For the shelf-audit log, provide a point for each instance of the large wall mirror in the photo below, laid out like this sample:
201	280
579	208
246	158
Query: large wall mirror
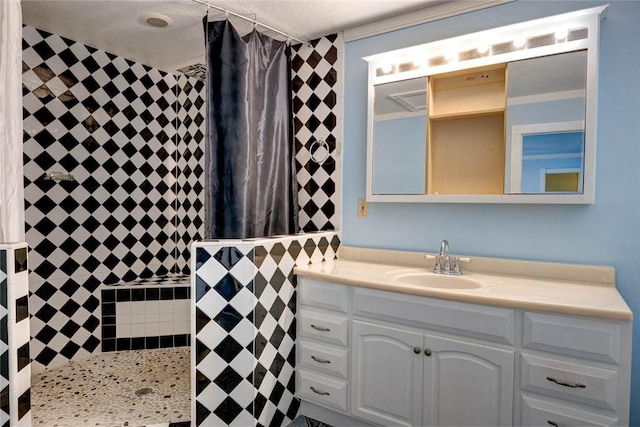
502	116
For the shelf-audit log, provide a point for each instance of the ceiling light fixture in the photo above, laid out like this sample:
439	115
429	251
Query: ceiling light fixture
156	20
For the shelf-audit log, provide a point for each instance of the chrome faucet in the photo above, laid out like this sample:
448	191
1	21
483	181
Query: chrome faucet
444	256
443	261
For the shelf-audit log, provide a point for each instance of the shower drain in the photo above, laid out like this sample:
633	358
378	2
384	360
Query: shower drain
144	391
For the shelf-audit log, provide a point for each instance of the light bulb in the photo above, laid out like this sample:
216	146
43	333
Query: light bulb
451	56
519	42
561	34
386	68
483	48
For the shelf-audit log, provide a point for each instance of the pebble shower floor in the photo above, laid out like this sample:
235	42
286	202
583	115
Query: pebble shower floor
132	388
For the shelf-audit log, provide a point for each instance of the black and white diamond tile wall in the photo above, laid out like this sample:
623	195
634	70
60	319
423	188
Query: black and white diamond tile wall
316	86
190	188
112	124
245	327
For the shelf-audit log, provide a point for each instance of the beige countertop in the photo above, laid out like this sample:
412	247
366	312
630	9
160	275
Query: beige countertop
559	288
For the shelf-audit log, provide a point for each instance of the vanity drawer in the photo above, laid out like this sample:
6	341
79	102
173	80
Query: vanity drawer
324	390
571	381
321	294
537	412
476	321
326	327
322	358
585	338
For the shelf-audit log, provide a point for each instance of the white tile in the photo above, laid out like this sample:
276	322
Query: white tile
152	329
138	330
166	328
152	307
181	327
152	317
123	331
166	307
138	318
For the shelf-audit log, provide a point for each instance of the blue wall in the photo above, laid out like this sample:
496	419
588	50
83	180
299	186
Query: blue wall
605	233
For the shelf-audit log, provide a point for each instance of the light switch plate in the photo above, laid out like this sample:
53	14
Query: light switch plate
363	208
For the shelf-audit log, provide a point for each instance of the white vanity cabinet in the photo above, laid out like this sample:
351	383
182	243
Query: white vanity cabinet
394	359
322	345
407	369
406	378
574	371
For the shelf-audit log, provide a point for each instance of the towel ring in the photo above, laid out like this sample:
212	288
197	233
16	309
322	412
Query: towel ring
319	151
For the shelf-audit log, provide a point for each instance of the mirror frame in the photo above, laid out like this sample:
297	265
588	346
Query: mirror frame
586	18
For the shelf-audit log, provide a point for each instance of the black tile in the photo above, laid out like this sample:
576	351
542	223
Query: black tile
108	331
181	340
123	295
24	404
137	343
23	356
166	341
166	293
181	292
228	410
108	309
137	294
22	308
152	294
109	345
20	260
123	344
152	342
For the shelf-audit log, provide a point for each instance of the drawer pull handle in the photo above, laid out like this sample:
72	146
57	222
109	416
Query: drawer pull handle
576	385
553	423
320	392
416	350
317	359
320	328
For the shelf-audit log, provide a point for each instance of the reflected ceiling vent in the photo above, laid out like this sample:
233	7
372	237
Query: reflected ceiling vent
416	100
156	20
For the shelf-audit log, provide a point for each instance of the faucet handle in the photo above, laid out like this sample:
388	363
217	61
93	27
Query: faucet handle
456	263
437	268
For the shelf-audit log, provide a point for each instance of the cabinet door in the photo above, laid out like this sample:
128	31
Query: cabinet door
387	368
467	384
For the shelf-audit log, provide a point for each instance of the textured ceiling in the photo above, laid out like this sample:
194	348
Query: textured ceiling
118	26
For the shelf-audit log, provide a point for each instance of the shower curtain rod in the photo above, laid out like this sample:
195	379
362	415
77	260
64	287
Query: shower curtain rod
255	22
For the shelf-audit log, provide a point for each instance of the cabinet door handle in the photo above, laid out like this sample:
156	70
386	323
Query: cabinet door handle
320	328
553	423
317	359
320	392
562	383
416	350
427	352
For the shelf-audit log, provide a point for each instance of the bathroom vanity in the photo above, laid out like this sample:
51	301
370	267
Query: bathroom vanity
383	340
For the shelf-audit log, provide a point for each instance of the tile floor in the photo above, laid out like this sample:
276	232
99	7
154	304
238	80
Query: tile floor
131	388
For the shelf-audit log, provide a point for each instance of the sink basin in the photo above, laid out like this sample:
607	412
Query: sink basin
432	280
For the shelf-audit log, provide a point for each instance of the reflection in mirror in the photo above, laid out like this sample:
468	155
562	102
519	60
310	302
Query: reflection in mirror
545	124
400	134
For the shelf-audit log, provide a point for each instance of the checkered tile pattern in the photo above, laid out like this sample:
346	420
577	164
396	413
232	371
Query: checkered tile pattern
15	366
112	124
190	187
245	327
316	87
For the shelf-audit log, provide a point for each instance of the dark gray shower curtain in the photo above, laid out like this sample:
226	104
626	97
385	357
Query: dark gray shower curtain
251	189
